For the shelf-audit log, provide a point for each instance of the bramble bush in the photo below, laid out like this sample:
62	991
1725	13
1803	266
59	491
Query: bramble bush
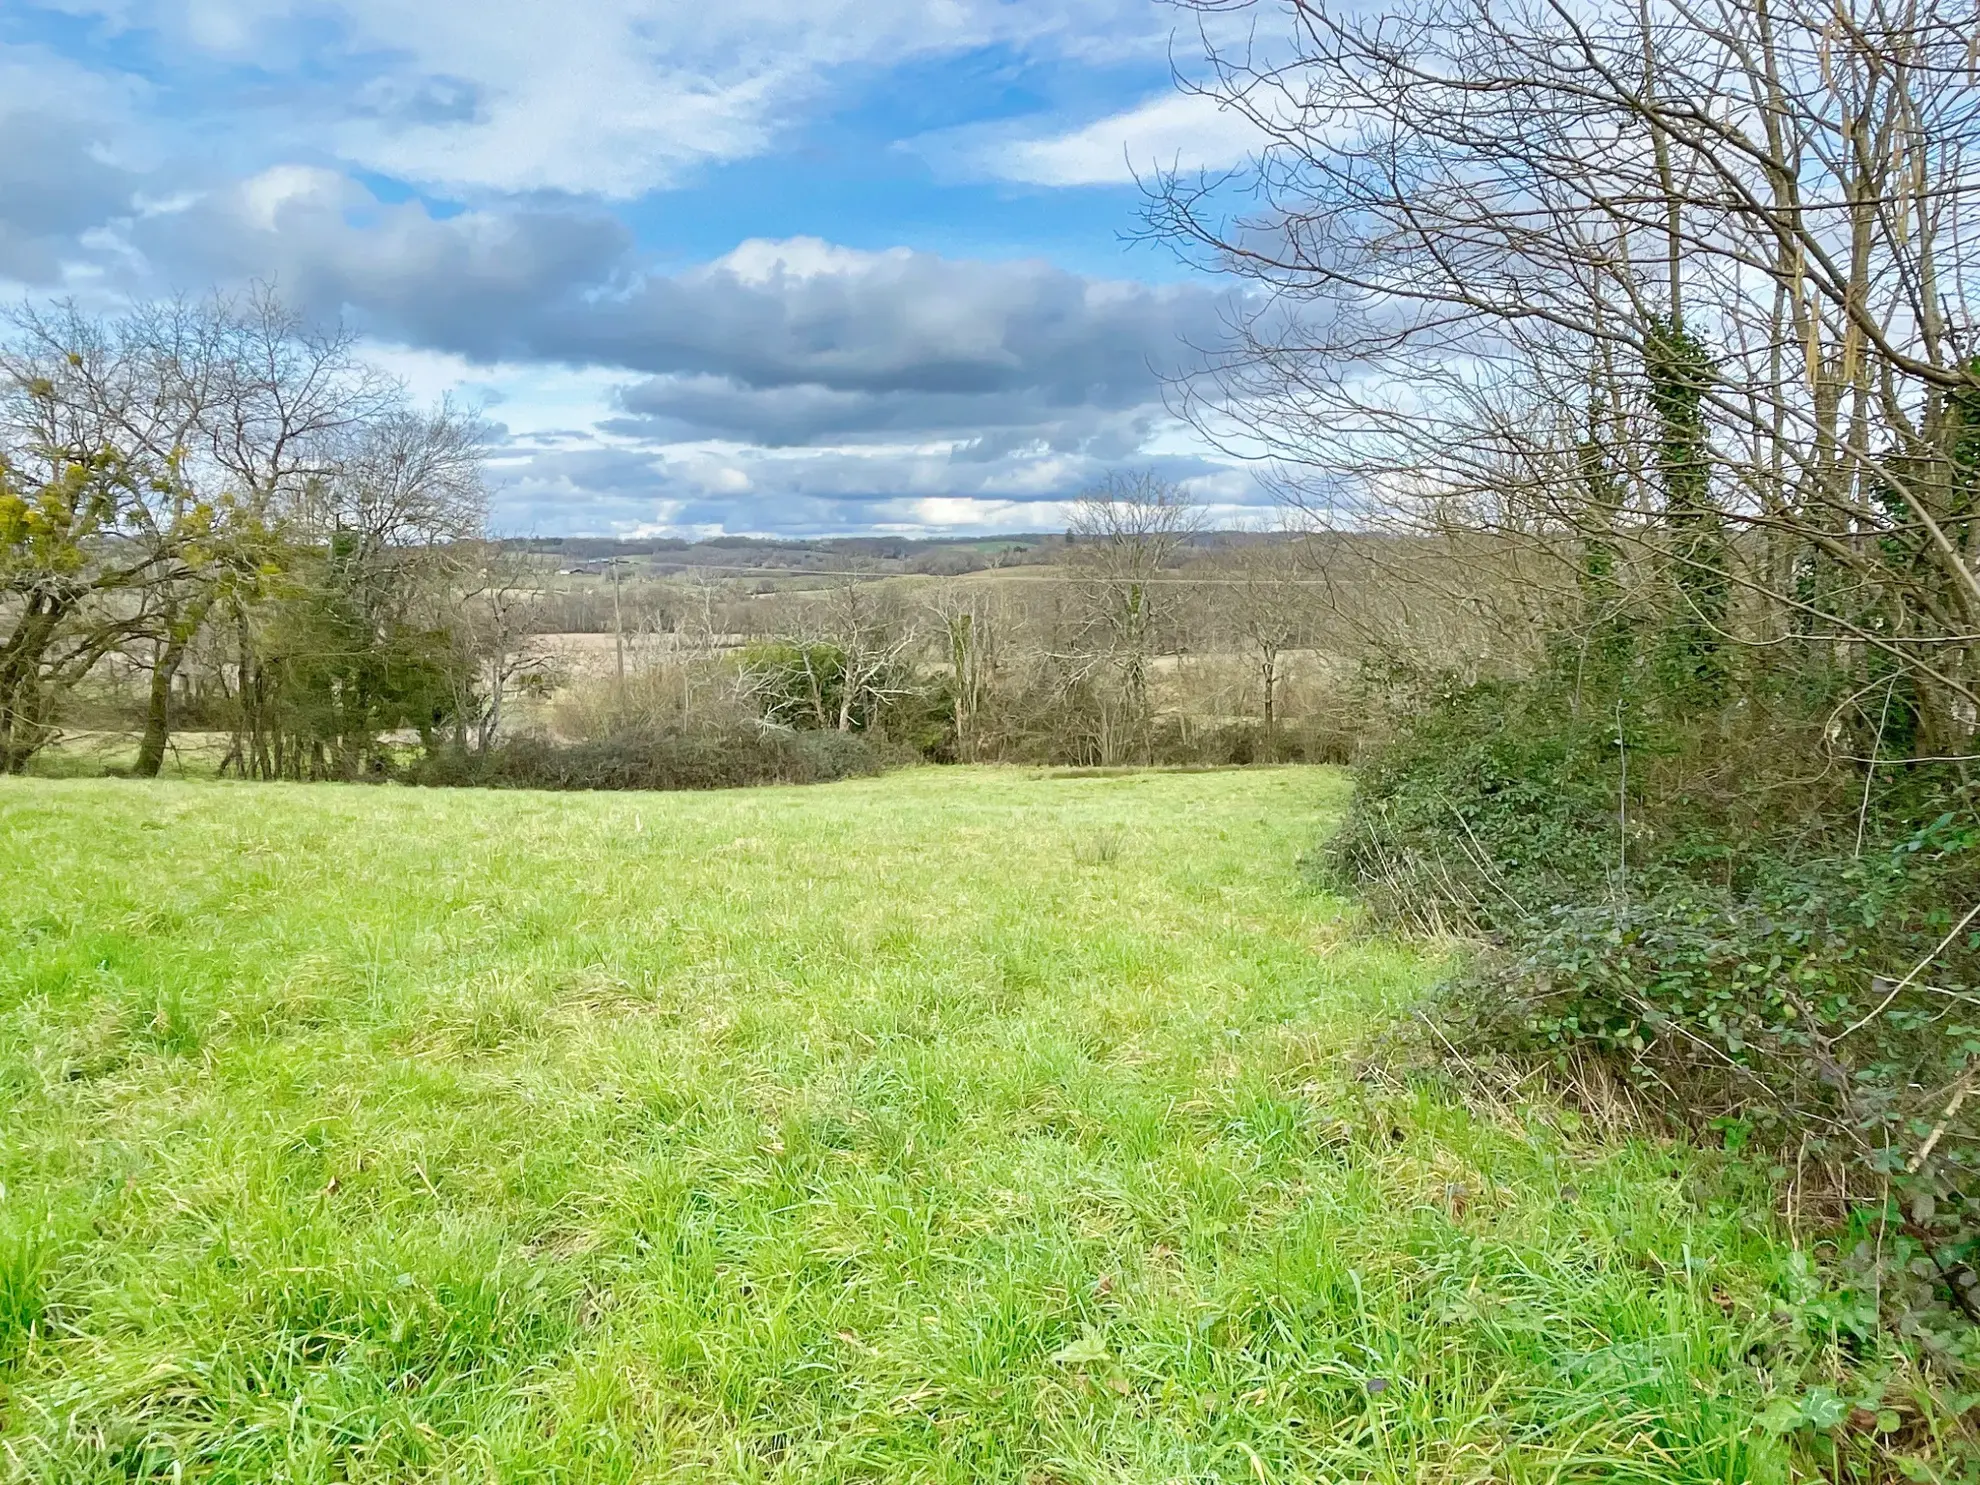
1784	965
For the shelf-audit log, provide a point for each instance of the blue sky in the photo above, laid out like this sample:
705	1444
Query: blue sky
797	266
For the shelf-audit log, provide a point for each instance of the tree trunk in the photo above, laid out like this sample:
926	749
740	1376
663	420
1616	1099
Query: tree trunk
179	635
158	710
23	706
850	680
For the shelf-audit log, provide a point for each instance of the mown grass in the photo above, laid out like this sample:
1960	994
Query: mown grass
961	1125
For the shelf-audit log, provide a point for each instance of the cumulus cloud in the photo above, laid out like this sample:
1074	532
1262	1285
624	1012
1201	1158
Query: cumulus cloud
809	415
793	342
52	188
914	324
793	384
488	284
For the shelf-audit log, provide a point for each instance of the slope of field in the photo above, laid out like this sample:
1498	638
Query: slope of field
959	1125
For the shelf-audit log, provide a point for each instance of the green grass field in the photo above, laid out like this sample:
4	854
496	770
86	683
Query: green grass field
960	1125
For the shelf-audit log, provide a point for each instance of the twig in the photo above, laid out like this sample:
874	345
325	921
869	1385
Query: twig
1870	772
1438	1032
1916	970
1962	1087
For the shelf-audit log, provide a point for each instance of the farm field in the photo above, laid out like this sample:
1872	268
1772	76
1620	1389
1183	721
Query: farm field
960	1125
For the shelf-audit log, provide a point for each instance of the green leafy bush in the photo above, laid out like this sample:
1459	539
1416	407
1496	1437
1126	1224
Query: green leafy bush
1482	813
1761	963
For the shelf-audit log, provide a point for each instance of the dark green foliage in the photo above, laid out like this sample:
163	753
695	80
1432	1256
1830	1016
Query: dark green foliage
337	686
922	717
1714	934
1679	371
724	757
1482	812
341	660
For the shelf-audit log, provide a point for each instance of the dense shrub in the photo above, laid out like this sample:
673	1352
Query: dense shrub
706	758
1482	812
1751	954
1244	740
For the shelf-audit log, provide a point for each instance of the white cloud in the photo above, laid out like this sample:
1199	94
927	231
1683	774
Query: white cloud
533	400
265	197
1176	130
760	262
609	98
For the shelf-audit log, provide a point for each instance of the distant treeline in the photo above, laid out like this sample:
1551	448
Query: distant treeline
601	548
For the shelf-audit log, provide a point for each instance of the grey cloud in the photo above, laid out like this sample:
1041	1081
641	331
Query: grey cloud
808	414
480	283
797	344
54	184
564	286
913	323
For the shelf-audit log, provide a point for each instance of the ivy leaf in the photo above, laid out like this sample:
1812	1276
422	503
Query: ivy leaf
1821	1408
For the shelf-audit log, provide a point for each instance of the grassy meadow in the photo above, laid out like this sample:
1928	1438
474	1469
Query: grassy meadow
961	1125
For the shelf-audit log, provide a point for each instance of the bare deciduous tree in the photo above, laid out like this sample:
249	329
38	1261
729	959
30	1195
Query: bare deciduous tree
1125	531
1680	293
837	659
874	638
497	624
1272	611
971	629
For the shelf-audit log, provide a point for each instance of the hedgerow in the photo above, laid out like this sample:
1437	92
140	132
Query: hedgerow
709	757
1780	963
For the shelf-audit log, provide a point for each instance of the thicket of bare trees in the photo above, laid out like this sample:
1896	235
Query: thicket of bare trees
1140	644
1678	293
1143	640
